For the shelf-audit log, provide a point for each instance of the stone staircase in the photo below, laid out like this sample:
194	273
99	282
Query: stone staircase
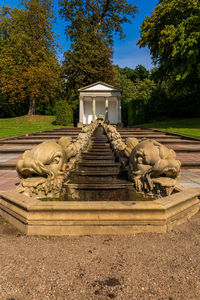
97	177
187	148
11	150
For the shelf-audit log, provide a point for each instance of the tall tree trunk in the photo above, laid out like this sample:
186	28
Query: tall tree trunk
31	110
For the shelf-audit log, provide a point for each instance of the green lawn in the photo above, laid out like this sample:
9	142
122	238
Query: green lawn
25	124
185	126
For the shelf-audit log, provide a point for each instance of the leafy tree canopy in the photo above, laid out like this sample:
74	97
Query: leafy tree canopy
88	61
90	26
28	65
104	17
172	34
140	72
125	84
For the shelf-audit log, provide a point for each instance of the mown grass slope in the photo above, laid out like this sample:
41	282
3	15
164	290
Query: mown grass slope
189	127
26	124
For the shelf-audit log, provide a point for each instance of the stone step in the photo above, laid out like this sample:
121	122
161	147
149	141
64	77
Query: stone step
21	142
173	141
181	141
98	153
94	166
99	186
139	133
43	137
98	158
152	136
98	162
7	166
54	133
100	150
88	177
106	146
7	151
190	164
61	130
98	173
190	151
101	164
99	139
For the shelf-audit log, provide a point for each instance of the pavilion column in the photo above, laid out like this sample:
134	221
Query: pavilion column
106	108
81	111
93	108
119	110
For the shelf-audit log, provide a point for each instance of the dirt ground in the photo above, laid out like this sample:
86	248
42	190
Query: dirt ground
142	266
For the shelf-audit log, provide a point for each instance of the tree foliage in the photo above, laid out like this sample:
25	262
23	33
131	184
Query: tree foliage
90	25
88	61
103	17
172	34
123	80
64	113
140	72
125	84
149	102
28	65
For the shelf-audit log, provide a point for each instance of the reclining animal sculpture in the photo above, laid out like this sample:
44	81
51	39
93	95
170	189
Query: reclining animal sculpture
41	169
152	167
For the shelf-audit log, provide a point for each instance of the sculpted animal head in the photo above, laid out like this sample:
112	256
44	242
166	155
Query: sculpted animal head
46	159
152	164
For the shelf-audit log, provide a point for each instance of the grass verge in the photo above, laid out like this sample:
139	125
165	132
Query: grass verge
26	124
189	127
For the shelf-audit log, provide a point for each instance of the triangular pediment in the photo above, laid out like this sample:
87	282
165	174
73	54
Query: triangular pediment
99	86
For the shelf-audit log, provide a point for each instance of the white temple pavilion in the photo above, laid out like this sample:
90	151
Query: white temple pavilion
99	98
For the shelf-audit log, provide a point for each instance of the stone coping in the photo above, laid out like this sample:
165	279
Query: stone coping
35	217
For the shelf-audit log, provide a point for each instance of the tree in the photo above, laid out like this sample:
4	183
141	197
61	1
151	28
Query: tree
88	61
140	72
105	17
124	83
149	102
127	86
172	34
28	65
90	25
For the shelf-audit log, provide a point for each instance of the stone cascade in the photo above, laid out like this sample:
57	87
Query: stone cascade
112	184
97	176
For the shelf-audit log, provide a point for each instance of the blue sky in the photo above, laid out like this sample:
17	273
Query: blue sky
126	53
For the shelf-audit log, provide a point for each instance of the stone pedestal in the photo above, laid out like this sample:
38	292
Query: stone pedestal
80	125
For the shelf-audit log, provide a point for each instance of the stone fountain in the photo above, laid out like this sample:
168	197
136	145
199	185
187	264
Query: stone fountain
98	184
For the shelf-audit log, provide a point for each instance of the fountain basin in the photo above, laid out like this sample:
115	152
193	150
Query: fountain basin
35	217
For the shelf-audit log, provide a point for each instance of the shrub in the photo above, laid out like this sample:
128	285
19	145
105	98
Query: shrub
64	113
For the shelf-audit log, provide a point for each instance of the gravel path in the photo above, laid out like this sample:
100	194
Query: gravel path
142	266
